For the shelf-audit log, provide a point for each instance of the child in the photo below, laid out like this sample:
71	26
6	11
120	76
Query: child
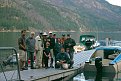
68	52
46	54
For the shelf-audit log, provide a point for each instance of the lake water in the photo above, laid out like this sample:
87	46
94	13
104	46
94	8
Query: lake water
97	77
9	39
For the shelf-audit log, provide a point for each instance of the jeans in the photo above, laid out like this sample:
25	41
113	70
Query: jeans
30	56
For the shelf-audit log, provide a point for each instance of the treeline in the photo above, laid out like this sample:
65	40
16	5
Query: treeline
11	18
38	14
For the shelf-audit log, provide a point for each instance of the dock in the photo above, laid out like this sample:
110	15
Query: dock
49	74
41	74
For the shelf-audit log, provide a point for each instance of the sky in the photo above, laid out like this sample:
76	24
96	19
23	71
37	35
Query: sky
115	2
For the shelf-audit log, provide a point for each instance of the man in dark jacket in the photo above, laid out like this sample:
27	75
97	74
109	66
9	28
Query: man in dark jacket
58	46
70	43
62	59
51	40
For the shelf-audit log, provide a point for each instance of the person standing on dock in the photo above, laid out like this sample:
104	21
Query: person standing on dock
39	51
54	36
51	40
70	43
22	50
30	44
47	54
44	35
63	38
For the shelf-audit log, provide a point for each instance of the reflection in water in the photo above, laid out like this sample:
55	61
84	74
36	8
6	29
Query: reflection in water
93	76
98	64
98	77
79	77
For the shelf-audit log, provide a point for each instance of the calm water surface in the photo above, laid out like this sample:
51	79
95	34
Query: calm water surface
9	39
97	77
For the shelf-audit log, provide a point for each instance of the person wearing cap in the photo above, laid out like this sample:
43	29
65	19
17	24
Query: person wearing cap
56	40
63	38
51	40
31	47
70	43
44	35
39	50
54	36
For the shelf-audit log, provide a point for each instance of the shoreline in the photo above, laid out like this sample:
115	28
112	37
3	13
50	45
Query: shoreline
61	31
34	31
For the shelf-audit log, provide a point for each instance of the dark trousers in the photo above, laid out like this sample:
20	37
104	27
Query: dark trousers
30	55
71	63
51	62
46	61
71	55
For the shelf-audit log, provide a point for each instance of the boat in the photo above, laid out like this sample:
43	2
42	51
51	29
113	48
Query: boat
89	41
105	58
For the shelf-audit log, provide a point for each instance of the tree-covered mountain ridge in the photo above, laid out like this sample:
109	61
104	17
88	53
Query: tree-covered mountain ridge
59	15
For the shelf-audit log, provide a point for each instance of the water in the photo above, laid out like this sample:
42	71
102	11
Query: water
103	35
10	38
91	76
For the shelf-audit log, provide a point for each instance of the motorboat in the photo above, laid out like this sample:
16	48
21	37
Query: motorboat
105	58
89	41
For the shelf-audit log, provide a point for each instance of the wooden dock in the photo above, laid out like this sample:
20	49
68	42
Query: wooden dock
50	73
41	74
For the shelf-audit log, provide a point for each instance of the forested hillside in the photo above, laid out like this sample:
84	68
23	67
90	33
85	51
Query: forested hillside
67	15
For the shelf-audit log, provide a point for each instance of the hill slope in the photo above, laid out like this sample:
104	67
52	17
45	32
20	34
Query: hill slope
86	15
94	13
35	15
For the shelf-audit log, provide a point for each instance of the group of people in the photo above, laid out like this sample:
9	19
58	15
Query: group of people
45	47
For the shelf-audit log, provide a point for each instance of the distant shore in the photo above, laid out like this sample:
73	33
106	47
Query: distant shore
59	31
34	31
10	30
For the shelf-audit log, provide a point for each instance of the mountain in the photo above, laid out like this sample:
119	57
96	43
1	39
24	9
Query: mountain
83	15
34	15
94	14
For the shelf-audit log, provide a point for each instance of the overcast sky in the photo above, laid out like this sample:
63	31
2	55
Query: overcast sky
115	2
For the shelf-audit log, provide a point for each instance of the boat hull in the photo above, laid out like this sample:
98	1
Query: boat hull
111	68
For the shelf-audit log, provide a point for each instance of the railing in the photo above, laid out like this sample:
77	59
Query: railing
9	64
116	60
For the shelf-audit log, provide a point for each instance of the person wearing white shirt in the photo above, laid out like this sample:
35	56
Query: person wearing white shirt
39	51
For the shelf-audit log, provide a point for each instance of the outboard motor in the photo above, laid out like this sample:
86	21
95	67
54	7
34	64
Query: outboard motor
98	65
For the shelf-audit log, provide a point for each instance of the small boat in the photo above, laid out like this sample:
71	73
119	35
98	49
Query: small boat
105	59
88	41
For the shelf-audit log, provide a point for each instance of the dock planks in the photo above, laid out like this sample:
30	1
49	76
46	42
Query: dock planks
41	74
